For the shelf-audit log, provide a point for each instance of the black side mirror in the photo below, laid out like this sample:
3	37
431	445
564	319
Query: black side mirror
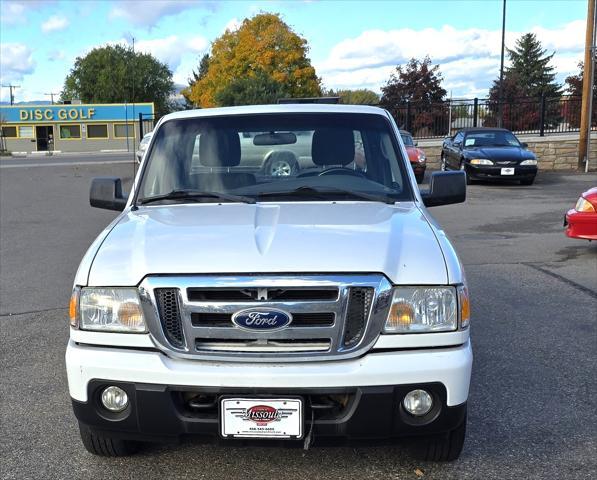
445	188
106	192
524	145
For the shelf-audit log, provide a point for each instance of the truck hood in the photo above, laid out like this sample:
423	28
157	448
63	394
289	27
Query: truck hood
323	237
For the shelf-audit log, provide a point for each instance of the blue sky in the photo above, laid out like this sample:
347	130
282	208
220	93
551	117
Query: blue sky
353	44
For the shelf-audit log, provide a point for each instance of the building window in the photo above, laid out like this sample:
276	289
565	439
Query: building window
26	131
68	132
9	132
122	130
97	131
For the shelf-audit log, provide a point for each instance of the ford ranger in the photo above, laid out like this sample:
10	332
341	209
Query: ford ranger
241	305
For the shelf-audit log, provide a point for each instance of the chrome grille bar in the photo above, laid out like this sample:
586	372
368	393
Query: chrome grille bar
222	342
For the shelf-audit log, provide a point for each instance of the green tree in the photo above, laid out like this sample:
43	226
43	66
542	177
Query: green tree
361	96
571	109
415	97
262	45
194	78
530	70
257	89
115	74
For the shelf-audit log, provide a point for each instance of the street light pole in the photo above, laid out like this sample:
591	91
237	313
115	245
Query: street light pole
500	99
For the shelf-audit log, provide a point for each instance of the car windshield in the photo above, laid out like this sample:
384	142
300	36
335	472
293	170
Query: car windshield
270	157
492	138
407	139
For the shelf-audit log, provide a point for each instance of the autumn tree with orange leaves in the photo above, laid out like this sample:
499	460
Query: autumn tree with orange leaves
262	55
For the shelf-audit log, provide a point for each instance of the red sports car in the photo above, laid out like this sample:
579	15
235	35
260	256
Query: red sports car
417	157
581	221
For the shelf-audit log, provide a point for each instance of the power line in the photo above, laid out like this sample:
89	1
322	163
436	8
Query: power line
12	87
51	95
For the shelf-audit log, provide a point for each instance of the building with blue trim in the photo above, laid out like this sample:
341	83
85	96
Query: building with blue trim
73	128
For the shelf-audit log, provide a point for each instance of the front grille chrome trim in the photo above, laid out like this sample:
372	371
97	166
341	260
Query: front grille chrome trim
291	344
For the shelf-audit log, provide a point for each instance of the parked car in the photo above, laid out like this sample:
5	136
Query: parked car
581	221
416	156
143	146
489	154
327	303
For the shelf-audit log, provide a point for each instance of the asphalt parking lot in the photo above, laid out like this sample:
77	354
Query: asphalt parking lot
532	408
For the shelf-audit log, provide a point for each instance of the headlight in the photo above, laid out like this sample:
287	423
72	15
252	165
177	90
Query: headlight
584	206
111	310
531	161
423	309
480	161
421	157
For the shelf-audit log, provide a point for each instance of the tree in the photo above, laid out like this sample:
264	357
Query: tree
115	74
262	46
194	78
360	96
571	109
415	96
528	77
259	88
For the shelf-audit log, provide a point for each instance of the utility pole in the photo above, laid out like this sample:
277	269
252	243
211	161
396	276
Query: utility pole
587	86
500	100
11	88
51	95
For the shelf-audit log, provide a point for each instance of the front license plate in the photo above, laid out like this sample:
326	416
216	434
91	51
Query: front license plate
507	171
261	418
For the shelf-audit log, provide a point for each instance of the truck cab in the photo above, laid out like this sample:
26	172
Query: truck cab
238	303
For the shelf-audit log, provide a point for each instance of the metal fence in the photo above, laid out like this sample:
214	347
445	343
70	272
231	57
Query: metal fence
146	123
539	116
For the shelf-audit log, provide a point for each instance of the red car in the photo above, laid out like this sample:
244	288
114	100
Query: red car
581	221
417	157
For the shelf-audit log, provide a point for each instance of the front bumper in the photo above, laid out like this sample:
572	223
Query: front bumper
481	172
374	383
581	225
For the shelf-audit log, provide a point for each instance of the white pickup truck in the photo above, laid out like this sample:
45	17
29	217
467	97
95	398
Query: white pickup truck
325	304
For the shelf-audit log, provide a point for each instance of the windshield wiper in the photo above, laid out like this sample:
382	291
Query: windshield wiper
196	195
324	193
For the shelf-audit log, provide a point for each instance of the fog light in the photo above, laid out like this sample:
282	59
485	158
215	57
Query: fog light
114	399
417	402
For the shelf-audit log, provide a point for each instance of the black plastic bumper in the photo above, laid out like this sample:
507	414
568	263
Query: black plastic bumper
159	413
495	173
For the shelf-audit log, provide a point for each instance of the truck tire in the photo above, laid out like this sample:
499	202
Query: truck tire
443	448
105	446
281	163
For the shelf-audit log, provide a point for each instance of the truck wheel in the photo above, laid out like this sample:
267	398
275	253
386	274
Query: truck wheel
443	448
281	164
105	446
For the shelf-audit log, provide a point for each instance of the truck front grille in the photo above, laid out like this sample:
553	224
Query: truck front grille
332	315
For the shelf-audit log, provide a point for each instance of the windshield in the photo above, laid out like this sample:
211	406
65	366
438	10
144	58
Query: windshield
270	157
407	139
496	138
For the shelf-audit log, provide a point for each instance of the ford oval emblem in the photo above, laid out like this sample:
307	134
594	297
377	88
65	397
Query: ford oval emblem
262	319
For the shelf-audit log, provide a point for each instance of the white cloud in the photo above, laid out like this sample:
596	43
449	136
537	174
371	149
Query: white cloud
148	13
13	12
232	25
16	61
172	49
469	59
54	24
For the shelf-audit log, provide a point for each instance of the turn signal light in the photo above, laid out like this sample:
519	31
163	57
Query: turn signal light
584	206
401	315
465	306
73	307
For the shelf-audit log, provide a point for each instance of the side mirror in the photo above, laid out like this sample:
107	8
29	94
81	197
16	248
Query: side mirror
524	145
106	192
445	188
